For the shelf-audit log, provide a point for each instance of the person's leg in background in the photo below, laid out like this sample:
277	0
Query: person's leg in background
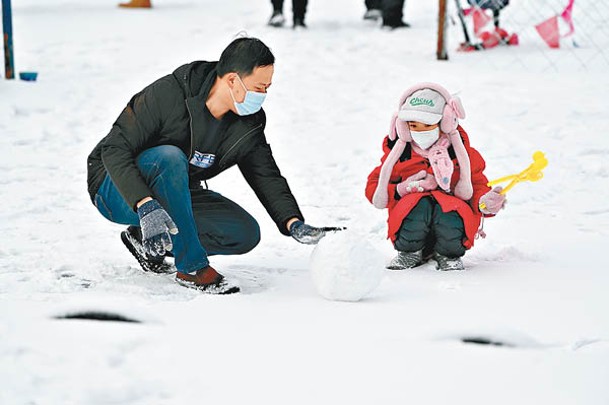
393	13
299	9
277	19
373	10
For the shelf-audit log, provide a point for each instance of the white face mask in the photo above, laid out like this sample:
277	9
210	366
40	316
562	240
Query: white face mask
424	139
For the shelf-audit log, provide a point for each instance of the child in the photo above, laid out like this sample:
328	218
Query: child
431	181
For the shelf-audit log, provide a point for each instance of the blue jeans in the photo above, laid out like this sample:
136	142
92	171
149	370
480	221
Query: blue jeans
208	223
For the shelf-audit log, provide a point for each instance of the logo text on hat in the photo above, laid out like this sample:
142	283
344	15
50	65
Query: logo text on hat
421	101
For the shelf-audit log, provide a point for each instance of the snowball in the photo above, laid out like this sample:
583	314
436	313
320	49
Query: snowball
346	267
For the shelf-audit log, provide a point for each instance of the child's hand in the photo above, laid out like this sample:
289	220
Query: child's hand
492	201
417	183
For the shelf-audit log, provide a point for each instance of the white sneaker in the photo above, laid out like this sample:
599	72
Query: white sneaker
277	19
373	14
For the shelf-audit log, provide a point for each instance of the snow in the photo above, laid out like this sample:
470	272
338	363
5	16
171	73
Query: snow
346	267
537	283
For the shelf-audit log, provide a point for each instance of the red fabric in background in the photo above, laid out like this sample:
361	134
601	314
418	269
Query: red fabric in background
548	30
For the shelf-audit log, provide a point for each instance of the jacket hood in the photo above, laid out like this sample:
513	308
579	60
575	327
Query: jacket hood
196	78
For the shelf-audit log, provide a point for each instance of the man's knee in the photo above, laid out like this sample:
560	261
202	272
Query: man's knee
234	237
162	159
249	237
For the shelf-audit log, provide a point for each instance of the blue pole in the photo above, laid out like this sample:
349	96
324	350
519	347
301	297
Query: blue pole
7	28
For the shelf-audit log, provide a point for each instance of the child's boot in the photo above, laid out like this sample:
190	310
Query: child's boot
446	263
406	260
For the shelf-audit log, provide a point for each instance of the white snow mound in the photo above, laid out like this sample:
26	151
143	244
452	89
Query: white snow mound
346	267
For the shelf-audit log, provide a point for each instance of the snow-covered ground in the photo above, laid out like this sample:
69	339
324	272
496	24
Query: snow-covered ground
538	283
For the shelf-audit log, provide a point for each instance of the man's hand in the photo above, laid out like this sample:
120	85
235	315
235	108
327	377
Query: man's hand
156	226
310	235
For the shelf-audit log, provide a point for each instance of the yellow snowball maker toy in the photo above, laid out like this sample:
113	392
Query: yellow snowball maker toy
531	173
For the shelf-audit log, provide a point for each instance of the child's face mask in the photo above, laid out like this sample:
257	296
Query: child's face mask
424	139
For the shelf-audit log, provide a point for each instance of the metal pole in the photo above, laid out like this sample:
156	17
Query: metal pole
7	28
463	25
441	53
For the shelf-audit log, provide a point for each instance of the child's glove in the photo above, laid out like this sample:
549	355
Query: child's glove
493	201
417	183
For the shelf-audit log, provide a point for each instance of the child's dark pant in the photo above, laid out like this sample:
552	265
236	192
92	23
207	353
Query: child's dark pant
426	226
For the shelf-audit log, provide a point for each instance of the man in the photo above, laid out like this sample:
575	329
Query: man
185	128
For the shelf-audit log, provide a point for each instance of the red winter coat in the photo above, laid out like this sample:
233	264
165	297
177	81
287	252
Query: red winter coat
400	207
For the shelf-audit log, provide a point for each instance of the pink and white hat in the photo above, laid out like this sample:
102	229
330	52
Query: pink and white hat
425	105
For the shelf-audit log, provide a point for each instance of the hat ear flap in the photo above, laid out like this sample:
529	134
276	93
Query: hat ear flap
449	121
455	103
399	129
403	130
392	127
380	199
453	110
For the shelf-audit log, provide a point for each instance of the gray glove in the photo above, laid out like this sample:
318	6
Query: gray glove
156	226
310	235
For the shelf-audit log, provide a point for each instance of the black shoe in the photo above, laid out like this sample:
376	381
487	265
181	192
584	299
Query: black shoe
299	23
401	24
132	238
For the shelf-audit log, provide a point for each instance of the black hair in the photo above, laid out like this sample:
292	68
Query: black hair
243	55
